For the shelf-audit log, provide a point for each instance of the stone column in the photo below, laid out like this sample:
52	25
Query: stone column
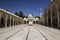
0	19
47	18
6	21
13	21
58	18
51	17
17	22
57	14
26	22
10	20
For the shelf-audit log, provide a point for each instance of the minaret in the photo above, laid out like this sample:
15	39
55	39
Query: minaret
51	0
40	13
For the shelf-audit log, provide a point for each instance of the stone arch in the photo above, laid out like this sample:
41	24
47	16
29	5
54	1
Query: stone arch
2	21
34	22
54	15
49	18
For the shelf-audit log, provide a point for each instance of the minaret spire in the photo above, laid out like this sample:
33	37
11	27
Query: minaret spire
51	0
40	13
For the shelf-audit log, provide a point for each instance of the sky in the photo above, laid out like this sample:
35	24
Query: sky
26	6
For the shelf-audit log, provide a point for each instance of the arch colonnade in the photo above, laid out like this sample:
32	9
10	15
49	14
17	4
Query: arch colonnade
52	14
9	19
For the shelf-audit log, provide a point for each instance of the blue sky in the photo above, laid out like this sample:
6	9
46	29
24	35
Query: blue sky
26	6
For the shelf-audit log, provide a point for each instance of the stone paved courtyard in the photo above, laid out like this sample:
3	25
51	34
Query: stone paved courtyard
26	32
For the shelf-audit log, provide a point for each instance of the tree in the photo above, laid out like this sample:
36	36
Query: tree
16	13
21	14
26	16
37	17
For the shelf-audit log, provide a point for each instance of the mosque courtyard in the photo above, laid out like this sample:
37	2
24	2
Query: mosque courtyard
29	32
29	20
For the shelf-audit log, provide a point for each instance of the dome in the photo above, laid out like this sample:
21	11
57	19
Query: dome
30	16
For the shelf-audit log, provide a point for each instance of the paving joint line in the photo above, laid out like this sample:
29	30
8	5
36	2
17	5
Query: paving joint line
41	33
14	34
27	34
7	31
52	32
